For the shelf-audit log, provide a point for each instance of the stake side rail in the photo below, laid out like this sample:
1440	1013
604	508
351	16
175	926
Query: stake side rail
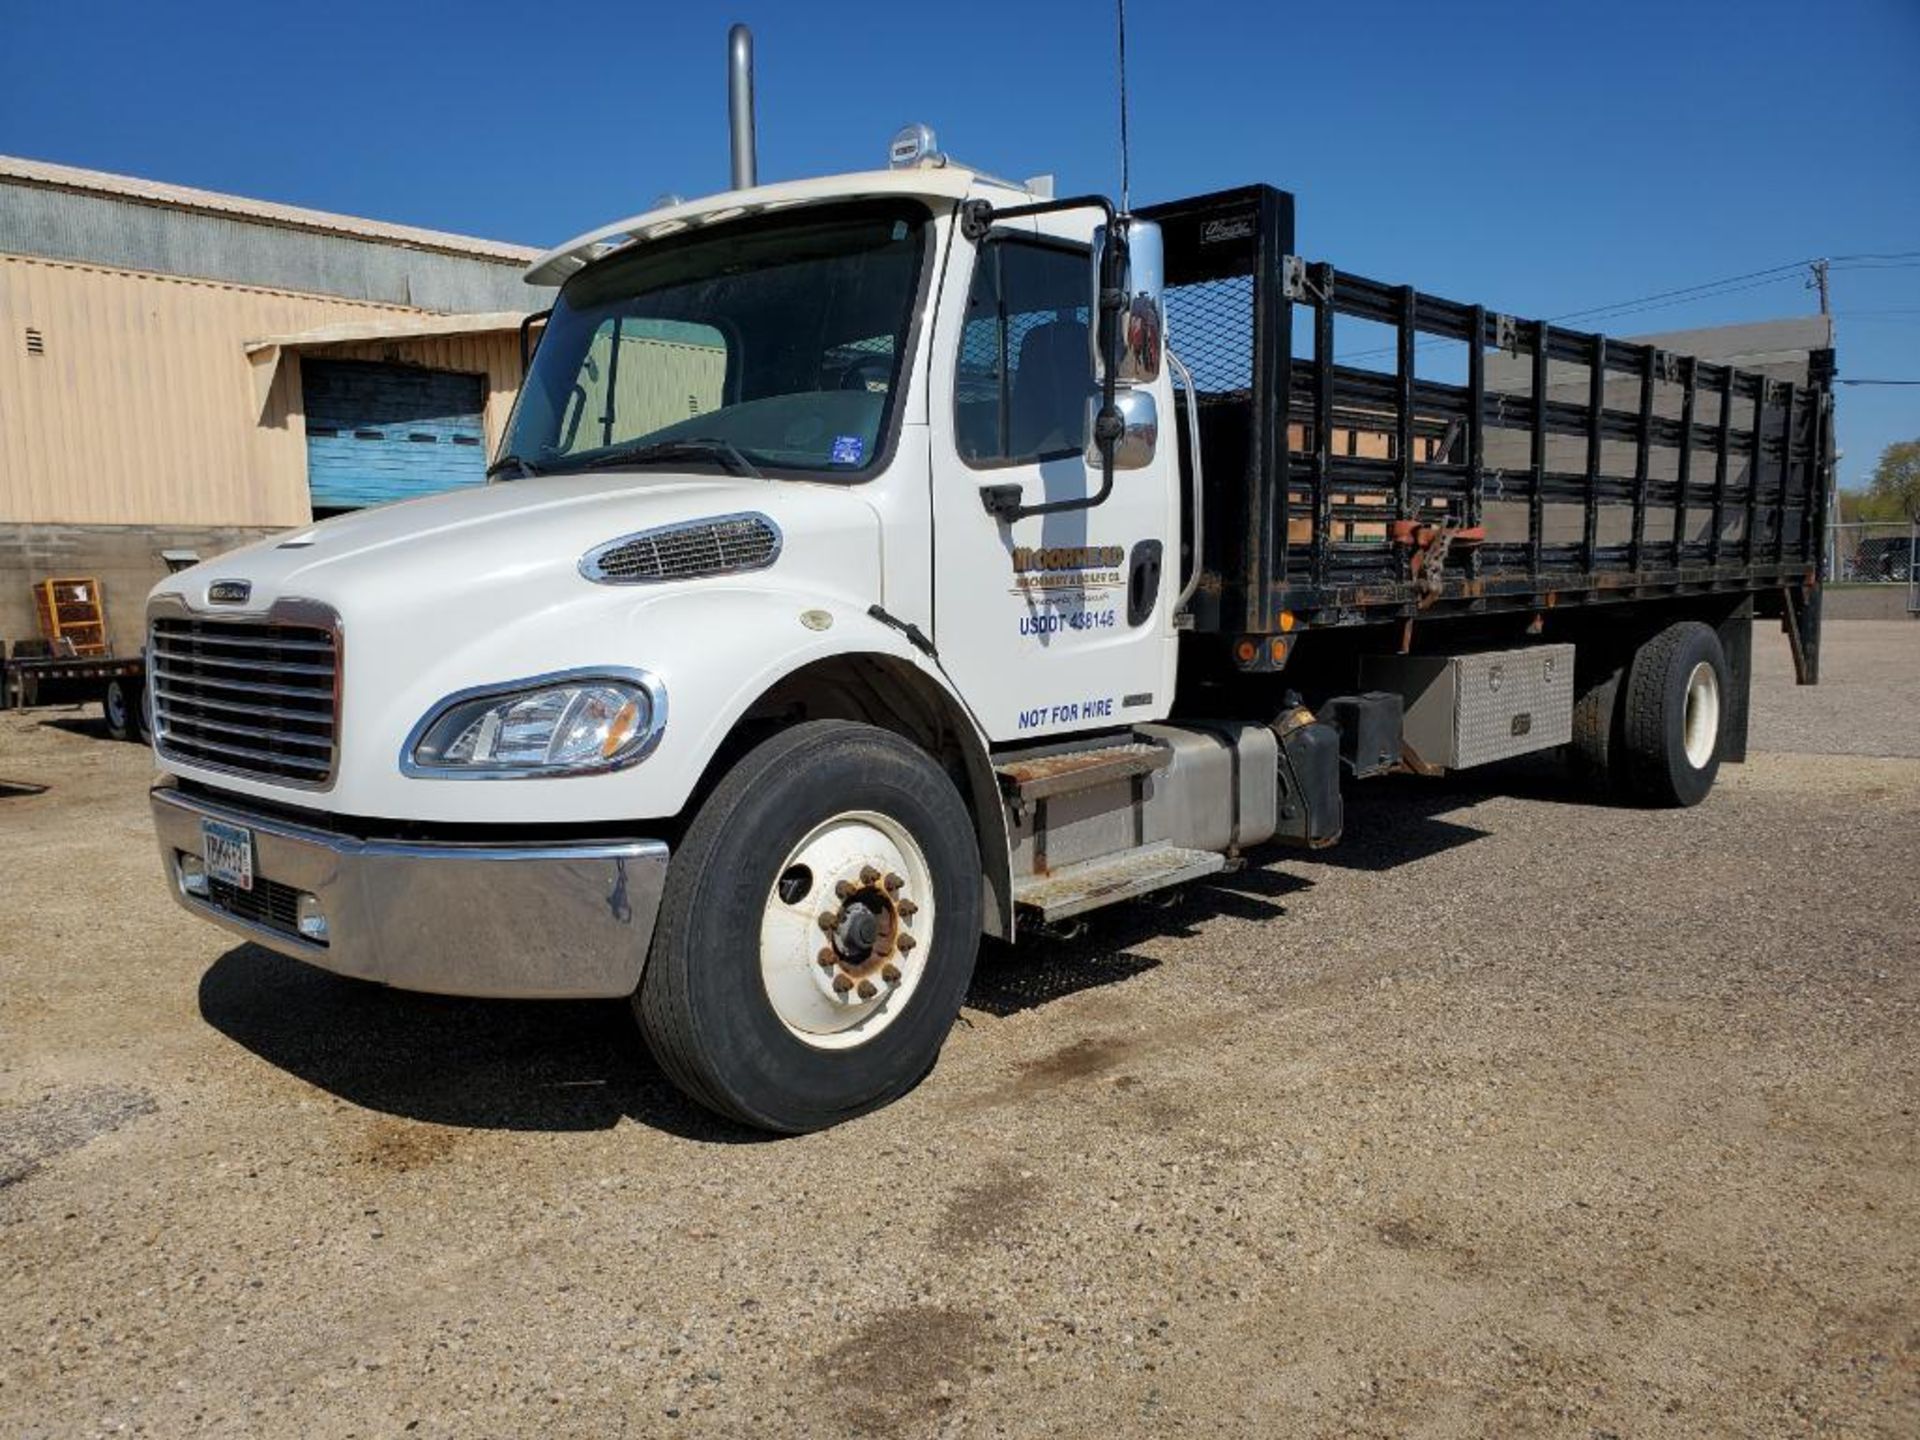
1534	465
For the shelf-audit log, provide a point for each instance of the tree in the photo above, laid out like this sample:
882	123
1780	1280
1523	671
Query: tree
1894	491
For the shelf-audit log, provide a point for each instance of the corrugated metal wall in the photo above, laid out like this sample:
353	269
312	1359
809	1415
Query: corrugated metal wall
128	234
141	408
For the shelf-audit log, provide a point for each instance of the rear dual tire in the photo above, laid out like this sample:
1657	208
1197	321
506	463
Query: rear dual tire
1673	713
738	1002
1651	731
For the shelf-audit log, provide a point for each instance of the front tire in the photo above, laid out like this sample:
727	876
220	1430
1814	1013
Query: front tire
818	930
1674	715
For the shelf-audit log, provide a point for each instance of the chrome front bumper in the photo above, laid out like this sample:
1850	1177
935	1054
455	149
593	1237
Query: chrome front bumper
547	920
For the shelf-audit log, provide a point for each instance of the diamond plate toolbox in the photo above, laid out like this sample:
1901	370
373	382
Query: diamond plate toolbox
1466	710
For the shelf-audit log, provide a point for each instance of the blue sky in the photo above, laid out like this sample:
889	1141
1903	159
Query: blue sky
1540	158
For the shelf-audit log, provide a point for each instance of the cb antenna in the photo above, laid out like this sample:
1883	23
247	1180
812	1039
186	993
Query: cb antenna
1125	178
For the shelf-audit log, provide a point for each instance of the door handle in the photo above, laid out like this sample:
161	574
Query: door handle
1143	581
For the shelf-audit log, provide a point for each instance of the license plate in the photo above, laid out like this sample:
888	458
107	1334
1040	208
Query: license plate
228	851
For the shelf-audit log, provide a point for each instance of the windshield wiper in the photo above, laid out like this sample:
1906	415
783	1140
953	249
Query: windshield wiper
521	467
698	447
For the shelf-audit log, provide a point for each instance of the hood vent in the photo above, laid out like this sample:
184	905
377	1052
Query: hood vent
691	550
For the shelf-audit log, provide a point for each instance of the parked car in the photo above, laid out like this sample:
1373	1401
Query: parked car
1884	557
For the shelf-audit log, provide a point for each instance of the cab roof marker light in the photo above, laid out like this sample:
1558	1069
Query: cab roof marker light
913	146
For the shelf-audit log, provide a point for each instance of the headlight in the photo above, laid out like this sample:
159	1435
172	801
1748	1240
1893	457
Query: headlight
573	724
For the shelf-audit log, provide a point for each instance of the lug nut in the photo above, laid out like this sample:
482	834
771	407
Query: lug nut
868	874
844	889
828	959
842	984
868	990
893	883
906	943
829	921
907	909
890	973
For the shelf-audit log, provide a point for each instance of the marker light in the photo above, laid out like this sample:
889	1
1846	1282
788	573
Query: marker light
912	146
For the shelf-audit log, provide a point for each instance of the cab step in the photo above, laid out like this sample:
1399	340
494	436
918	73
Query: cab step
1044	776
1076	889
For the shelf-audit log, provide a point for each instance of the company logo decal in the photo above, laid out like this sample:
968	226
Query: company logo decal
229	592
1239	227
1027	558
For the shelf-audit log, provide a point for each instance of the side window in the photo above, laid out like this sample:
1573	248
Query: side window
639	375
1025	371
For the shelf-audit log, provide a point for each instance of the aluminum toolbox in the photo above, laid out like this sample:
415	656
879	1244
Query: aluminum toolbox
1466	710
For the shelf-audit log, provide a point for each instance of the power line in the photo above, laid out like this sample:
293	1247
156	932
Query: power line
1633	308
1705	290
1776	271
1620	309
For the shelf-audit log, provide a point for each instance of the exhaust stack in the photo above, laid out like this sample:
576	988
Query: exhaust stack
740	104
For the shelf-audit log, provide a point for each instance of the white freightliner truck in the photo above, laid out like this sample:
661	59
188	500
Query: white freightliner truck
862	572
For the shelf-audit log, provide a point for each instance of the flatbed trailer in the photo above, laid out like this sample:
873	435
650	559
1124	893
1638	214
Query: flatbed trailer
1662	478
118	682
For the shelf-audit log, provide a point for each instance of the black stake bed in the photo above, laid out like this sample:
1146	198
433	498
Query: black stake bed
1468	462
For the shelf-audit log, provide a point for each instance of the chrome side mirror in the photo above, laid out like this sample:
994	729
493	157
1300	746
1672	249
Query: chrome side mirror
1137	434
1143	311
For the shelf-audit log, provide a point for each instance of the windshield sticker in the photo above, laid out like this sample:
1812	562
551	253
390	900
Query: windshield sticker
847	450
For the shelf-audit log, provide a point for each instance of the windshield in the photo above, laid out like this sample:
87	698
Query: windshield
777	344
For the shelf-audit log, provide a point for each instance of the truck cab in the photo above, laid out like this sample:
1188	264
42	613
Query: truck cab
455	744
854	580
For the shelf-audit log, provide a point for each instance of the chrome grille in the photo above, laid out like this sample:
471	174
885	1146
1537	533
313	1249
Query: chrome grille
726	545
252	699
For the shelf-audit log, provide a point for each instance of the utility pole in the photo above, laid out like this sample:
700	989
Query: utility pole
1819	282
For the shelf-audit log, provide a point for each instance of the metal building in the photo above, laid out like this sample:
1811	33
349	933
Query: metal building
184	371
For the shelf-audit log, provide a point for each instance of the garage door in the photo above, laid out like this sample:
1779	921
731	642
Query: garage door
389	432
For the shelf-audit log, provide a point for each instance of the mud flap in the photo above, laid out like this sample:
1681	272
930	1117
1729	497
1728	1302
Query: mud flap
1736	640
1310	812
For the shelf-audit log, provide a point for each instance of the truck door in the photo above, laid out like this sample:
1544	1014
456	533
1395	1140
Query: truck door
1054	623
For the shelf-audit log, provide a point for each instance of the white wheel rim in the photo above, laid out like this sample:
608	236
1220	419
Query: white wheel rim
1700	729
801	962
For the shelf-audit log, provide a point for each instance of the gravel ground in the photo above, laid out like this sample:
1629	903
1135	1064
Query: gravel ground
1513	1115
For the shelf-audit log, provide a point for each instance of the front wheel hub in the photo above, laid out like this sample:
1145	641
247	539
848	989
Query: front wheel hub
842	954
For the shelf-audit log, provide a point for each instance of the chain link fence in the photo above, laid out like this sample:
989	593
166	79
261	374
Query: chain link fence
1877	553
